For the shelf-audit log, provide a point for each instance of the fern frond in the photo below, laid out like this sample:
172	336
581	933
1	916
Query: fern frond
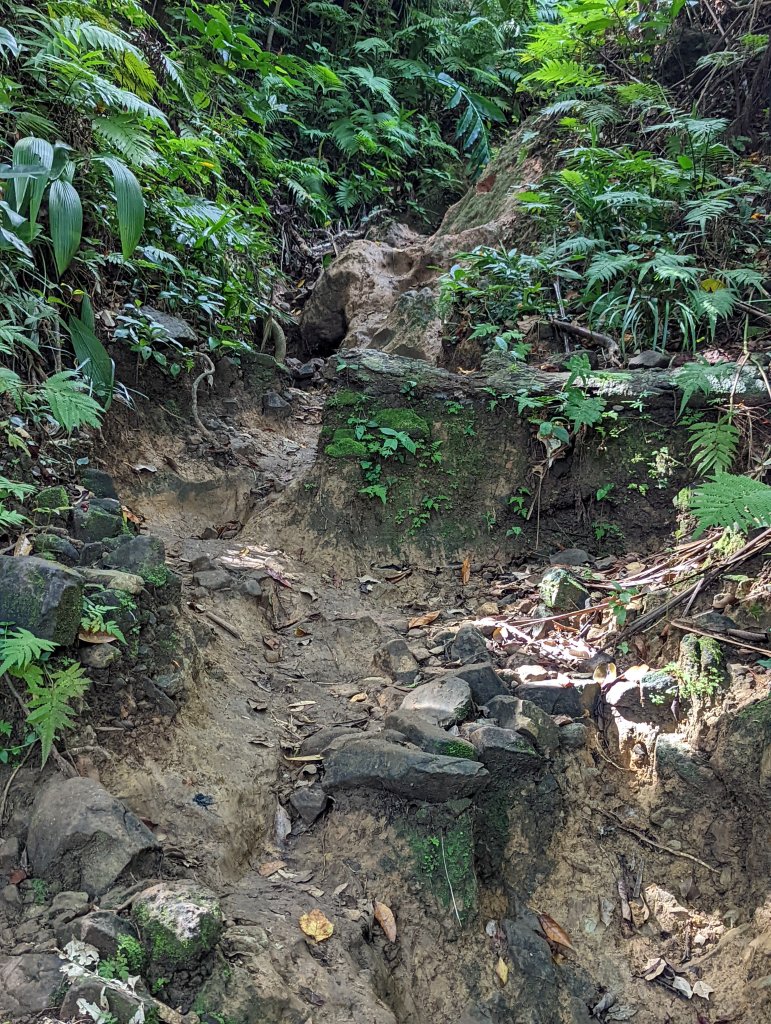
50	711
731	501
71	407
695	378
121	133
19	648
713	445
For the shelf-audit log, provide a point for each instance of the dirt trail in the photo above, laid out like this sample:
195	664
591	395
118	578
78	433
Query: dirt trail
285	661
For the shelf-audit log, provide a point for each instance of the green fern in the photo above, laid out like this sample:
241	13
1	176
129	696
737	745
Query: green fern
50	711
70	406
713	445
19	649
731	501
701	378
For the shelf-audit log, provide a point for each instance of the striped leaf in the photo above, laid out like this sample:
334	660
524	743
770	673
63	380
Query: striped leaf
131	205
65	215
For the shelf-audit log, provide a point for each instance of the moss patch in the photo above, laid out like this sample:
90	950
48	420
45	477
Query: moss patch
345	448
405	420
444	858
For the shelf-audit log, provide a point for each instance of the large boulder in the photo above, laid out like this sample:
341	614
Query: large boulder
442	701
41	596
377	764
28	983
83	838
180	922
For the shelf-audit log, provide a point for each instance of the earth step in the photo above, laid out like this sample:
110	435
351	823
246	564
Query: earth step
675	759
528	720
41	596
443	701
375	763
83	838
429	737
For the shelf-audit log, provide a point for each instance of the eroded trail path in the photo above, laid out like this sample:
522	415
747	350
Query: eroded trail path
291	780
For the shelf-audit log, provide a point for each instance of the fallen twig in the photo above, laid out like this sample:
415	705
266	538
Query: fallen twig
223	624
721	637
584	332
650	842
208	375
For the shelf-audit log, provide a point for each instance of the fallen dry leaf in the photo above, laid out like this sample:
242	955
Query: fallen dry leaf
555	932
357	698
270	867
23	546
465	571
636	672
502	971
316	926
702	989
605	673
423	620
17	876
385	918
96	638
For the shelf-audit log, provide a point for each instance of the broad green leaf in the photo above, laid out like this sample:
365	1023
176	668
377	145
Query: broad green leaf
131	205
32	153
93	358
66	222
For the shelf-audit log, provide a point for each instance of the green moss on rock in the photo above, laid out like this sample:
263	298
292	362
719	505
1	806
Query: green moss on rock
405	420
345	448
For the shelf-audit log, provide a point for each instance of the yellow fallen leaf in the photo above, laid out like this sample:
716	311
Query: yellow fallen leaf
502	970
465	571
423	620
555	932
636	672
316	926
605	673
22	547
385	918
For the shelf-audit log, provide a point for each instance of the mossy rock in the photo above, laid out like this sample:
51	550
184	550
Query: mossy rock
346	399
404	420
52	507
41	596
180	923
345	448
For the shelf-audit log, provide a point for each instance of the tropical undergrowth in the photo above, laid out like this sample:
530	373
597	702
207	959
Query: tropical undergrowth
649	230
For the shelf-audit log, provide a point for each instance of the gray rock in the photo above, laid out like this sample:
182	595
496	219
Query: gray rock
143	556
321	741
180	923
398	661
483	680
274	406
213	579
427	736
122	1004
10	852
99	483
528	720
51	544
442	701
530	951
469	646
504	752
561	592
570	556
252	587
10	898
114	580
91	523
177	330
99	656
573	736
101	929
556	699
376	764
27	983
83	838
91	554
649	360
646	700
52	507
676	759
310	802
76	902
41	596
